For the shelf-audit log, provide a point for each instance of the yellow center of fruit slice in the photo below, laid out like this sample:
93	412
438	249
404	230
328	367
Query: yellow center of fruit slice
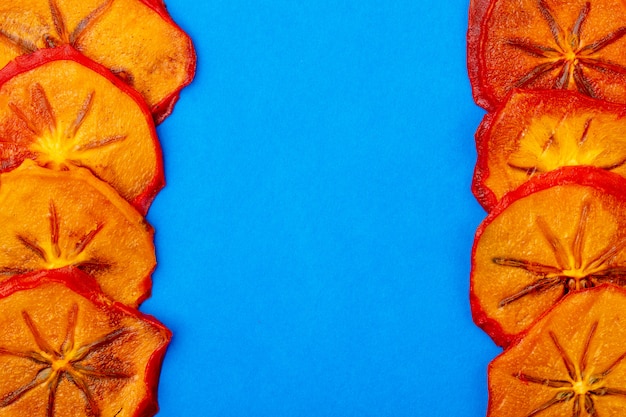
64	115
571	363
53	219
543	246
538	132
69	354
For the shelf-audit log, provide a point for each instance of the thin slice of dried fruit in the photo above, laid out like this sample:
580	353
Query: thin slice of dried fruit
571	363
538	131
557	233
63	110
66	350
136	39
543	44
53	219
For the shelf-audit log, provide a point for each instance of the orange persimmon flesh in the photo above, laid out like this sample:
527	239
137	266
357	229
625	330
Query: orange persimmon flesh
538	131
571	363
54	219
558	233
64	111
133	38
66	350
543	44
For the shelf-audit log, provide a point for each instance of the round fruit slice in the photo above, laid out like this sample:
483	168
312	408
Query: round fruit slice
542	44
53	219
539	131
571	363
68	351
558	233
135	39
63	110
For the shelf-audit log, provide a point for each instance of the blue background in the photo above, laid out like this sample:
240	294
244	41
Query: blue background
314	237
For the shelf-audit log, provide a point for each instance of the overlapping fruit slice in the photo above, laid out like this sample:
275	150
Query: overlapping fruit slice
571	363
135	39
65	350
63	110
539	131
543	44
54	219
558	233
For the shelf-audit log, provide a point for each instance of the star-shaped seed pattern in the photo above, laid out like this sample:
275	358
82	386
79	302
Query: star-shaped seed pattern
571	272
560	148
53	145
56	257
568	54
580	387
68	362
62	34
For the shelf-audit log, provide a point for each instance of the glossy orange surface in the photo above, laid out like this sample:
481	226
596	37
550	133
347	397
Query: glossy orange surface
54	219
571	363
66	350
559	233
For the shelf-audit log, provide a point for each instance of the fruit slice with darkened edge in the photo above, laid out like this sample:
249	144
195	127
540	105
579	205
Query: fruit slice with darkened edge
53	219
539	131
557	233
572	362
544	44
63	110
135	39
67	350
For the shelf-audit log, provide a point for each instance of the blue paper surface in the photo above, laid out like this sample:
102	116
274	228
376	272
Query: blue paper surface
315	232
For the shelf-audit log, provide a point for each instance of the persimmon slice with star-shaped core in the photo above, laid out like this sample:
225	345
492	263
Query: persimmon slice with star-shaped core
543	44
67	350
572	362
54	219
558	233
64	111
535	132
135	39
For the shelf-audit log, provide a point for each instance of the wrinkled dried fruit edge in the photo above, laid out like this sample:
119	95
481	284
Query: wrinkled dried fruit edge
29	62
161	110
606	182
478	12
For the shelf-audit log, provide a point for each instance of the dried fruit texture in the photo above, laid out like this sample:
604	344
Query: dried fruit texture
538	131
67	351
558	233
569	364
89	119
53	219
135	39
543	44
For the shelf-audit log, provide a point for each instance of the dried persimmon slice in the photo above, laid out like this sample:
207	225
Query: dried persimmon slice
572	362
66	350
135	39
558	233
63	110
543	44
54	219
538	131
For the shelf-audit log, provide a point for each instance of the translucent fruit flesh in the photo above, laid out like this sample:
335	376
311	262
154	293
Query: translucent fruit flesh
538	131
556	234
71	352
55	219
571	363
543	44
135	39
64	111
